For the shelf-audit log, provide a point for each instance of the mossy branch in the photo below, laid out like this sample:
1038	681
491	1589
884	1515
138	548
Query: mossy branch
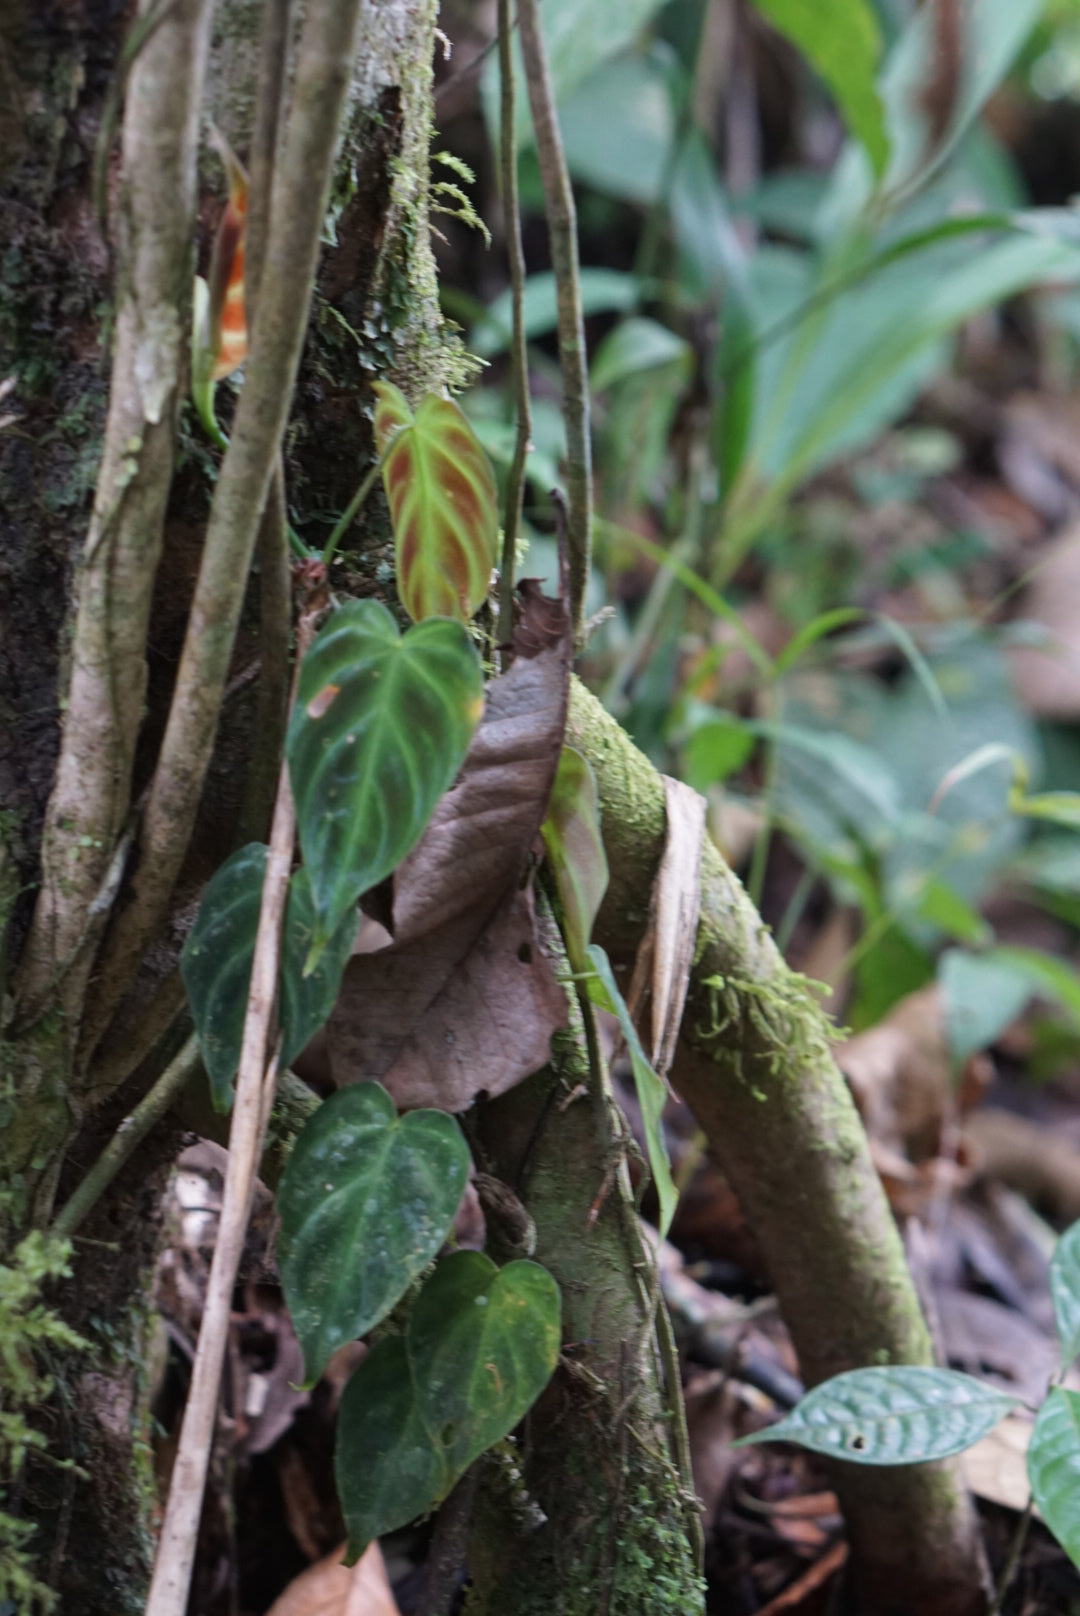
755	1066
298	208
562	229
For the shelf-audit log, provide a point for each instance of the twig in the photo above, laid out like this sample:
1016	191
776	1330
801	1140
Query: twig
352	509
254	1089
562	230
131	1133
1016	1548
272	544
446	1556
91	795
519	360
301	192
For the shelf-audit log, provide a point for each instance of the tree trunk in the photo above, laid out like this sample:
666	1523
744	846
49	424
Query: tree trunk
376	314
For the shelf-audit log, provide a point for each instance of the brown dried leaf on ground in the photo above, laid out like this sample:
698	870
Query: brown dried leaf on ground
465	999
996	1467
1039	1161
1048	680
900	1075
331	1589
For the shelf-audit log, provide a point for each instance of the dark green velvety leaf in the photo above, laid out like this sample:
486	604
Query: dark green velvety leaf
365	1203
387	1467
651	1088
900	1415
1053	1463
482	1342
1065	1290
575	850
380	727
216	966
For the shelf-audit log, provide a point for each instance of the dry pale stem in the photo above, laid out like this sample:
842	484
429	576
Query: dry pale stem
254	1093
298	208
155	218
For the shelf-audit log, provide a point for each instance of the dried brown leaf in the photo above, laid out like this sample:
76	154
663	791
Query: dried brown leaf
331	1589
465	1000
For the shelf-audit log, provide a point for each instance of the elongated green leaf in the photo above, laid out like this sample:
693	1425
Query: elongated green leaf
1059	807
443	504
1049	977
842	42
575	849
216	966
901	1415
1053	1463
482	1344
388	1469
1065	1291
823	624
365	1203
380	727
602	291
651	1089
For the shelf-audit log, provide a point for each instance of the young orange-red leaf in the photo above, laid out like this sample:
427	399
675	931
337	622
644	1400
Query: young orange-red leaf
228	335
220	342
443	505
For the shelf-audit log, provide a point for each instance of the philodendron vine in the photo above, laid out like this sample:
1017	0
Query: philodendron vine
379	729
904	1415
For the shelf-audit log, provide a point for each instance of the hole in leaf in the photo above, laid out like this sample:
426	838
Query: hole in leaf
857	1443
524	953
446	1435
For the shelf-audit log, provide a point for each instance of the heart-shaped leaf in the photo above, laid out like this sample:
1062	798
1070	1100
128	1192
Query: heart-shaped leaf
365	1203
443	504
482	1342
1065	1291
387	1467
651	1088
901	1415
216	966
575	850
381	724
1053	1463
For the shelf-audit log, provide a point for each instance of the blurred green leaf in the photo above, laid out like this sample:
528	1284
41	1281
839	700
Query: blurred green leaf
983	995
714	749
637	344
579	35
617	128
842	42
603	291
900	1415
1053	1464
1065	1293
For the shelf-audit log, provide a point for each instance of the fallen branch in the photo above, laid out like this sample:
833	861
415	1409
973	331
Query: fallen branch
755	1066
